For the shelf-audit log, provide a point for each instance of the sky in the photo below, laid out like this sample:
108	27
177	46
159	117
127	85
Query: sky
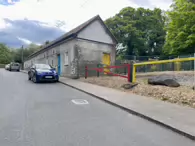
34	21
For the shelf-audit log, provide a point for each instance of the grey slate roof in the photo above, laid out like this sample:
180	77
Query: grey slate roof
73	33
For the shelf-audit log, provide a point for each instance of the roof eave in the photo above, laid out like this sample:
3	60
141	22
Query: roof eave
51	45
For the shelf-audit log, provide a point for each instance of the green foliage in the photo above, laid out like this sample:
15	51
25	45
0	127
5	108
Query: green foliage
119	57
8	55
180	37
26	52
46	42
139	30
154	68
5	54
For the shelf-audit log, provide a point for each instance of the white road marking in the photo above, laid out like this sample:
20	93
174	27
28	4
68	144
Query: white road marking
79	101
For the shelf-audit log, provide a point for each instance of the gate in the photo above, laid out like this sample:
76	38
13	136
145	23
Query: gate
106	70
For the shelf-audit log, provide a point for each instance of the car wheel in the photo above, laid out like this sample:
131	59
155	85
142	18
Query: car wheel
34	79
29	78
18	70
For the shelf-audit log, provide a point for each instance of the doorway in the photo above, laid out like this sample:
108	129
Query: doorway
106	61
59	65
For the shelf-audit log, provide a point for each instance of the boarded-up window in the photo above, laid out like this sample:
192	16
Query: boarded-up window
66	58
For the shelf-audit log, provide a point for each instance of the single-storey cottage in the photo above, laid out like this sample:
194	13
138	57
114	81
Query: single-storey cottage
89	42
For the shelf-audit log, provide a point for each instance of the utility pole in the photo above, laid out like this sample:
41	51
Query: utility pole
22	57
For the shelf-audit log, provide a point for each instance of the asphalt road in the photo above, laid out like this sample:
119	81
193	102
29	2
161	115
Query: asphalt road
44	115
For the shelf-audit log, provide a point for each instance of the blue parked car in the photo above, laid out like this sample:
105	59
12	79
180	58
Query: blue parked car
42	72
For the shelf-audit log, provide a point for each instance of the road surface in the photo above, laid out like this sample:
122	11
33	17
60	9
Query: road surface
44	115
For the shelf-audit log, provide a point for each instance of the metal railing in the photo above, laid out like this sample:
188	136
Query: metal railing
176	64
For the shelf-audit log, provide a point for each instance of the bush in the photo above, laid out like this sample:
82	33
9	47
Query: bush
153	68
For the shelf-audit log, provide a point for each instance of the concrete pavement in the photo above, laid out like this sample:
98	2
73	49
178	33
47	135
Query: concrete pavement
177	118
44	115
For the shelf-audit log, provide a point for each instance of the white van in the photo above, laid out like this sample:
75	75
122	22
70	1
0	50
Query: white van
14	66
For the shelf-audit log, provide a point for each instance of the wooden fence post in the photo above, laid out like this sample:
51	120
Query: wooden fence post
130	72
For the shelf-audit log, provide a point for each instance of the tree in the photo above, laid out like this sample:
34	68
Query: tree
26	52
140	31
180	38
5	55
8	55
46	42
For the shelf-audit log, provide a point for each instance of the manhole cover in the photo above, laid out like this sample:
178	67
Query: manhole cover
80	101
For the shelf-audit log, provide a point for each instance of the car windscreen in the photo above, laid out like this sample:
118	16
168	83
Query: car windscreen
43	66
15	64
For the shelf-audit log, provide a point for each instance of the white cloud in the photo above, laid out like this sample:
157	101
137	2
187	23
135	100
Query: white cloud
72	12
163	4
24	40
9	1
3	24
